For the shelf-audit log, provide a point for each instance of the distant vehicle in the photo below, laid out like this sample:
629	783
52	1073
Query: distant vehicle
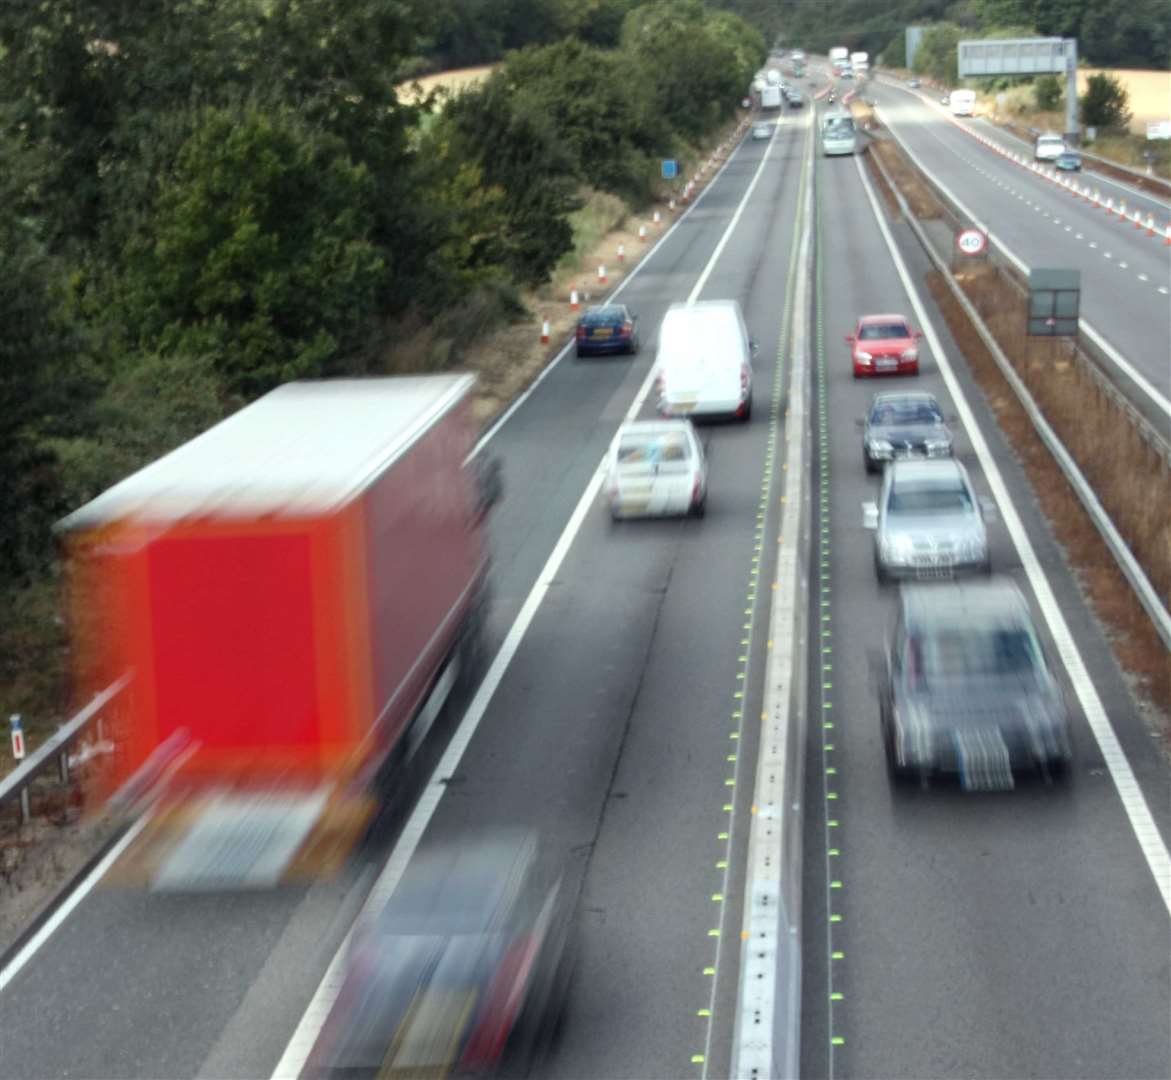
846	72
860	61
884	344
945	99
1069	161
607	328
962	102
773	77
904	425
310	577
838	135
462	971
770	97
794	98
762	131
657	469
928	522
1048	147
839	54
966	689
797	55
913	83
704	361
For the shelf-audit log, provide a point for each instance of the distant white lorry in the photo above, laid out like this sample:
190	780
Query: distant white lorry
962	102
839	55
773	76
861	62
770	97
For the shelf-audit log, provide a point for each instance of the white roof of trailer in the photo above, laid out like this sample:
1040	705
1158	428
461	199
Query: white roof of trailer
306	447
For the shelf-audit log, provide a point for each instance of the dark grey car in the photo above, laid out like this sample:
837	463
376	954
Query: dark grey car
967	689
903	425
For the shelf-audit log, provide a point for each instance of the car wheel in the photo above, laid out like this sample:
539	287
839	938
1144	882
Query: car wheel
871	467
880	572
900	775
700	508
747	411
580	354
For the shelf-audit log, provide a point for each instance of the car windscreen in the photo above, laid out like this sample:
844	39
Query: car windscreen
971	652
606	316
883	331
928	498
889	413
645	448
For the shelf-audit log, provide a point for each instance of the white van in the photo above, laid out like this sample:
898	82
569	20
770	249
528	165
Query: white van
704	362
1049	147
962	102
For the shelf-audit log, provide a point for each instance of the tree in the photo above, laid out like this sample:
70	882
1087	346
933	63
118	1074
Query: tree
937	55
1105	104
258	253
1047	93
523	157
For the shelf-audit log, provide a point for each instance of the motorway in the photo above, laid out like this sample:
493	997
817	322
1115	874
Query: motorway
1007	935
1126	274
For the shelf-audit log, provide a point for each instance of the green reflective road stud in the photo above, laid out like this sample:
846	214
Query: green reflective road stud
835	918
713	933
703	1012
837	1040
837	955
837	995
835	884
709	970
697	1059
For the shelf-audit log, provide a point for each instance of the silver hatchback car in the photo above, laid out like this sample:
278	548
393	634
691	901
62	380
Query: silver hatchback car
928	521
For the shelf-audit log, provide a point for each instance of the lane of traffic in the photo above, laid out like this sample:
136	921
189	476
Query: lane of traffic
953	917
122	988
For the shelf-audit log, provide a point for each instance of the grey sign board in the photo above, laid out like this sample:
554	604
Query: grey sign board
1054	301
1012	56
914	36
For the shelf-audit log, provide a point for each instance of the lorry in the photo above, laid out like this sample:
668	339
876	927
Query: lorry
839	57
770	97
292	594
860	62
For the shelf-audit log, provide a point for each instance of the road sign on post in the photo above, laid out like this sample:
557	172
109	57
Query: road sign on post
971	241
670	168
1054	302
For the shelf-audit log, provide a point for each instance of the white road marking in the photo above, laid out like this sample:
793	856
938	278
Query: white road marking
69	904
301	1044
1133	801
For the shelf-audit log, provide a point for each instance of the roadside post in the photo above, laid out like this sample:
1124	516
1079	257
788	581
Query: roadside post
18	751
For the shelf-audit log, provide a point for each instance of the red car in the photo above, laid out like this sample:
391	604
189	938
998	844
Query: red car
884	345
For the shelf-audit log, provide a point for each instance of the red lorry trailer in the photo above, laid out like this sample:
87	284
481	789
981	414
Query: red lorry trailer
287	591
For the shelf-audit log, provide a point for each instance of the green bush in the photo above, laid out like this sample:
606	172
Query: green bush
258	252
1105	104
1047	93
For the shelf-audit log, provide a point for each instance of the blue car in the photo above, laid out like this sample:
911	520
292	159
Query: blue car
607	328
1069	161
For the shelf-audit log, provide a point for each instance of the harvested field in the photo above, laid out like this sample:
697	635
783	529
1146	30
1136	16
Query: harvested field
1149	91
443	80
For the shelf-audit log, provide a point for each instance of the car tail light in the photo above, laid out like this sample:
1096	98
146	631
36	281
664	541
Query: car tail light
581	332
745	375
628	328
501	1004
695	492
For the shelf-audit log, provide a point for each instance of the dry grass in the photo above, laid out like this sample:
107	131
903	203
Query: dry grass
411	91
1133	483
919	196
1149	92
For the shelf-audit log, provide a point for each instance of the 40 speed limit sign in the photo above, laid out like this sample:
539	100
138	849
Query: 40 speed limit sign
971	241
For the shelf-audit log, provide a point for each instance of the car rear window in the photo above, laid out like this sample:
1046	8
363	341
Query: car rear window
918	498
607	316
651	449
906	412
956	653
882	331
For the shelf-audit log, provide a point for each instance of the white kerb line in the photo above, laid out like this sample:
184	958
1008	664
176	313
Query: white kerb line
301	1044
1124	365
1130	794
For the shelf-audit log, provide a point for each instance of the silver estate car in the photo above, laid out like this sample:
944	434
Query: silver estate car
928	521
903	424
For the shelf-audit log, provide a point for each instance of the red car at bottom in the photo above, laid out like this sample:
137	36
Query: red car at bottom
884	345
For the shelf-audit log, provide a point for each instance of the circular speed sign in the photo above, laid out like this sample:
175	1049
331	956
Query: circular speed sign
971	241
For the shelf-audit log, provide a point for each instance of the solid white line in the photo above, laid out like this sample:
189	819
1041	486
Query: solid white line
69	904
1124	365
1133	801
301	1044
